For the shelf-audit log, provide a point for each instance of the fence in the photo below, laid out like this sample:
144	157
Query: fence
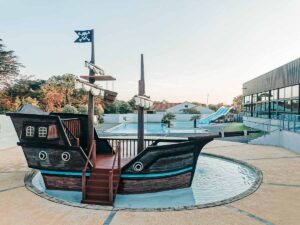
290	122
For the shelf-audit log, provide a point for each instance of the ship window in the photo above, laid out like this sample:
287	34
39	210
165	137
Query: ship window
29	131
42	131
52	133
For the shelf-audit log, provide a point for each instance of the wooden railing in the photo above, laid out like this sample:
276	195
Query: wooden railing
91	159
72	128
111	172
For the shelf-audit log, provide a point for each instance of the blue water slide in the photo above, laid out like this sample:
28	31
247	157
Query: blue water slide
222	111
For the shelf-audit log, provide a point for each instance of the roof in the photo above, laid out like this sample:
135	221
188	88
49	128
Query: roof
286	75
162	106
29	109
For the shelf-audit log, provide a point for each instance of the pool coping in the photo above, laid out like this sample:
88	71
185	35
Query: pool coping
31	174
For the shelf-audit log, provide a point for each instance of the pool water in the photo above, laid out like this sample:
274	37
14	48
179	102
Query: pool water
215	180
157	128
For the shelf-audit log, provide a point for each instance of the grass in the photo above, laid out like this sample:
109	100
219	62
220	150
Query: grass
242	127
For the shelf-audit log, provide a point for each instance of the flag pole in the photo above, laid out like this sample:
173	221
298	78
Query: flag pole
141	109
91	97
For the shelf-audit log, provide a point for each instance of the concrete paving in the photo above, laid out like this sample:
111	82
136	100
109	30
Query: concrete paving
277	201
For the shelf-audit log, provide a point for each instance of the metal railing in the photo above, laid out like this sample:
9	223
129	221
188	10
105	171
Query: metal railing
290	122
128	145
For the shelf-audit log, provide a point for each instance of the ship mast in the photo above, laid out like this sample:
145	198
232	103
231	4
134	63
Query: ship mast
91	96
141	92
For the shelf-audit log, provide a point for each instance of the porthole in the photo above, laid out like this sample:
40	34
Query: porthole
65	156
43	155
138	166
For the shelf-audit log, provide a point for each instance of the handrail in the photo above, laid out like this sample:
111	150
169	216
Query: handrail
111	172
92	153
69	133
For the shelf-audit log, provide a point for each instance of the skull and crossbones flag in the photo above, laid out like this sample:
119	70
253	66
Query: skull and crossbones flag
84	36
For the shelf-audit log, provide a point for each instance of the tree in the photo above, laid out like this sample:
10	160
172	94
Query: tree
65	84
191	111
215	107
167	118
9	66
195	118
52	98
26	86
69	109
124	107
237	103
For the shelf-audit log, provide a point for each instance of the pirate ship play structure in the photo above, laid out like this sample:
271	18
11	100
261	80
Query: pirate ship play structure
70	155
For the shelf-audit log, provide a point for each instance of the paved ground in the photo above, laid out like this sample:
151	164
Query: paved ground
277	201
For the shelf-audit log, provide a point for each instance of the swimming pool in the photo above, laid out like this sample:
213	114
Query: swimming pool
156	128
216	181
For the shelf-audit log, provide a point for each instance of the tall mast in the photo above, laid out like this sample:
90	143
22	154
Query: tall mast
91	97
141	109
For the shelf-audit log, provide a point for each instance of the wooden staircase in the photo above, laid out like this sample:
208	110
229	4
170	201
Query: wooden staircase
102	185
97	187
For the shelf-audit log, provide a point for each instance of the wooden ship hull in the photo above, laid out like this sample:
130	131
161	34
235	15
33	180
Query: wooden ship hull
162	167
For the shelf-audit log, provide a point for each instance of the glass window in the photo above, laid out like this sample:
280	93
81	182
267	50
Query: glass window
42	132
295	91
295	106
280	106
288	92
288	105
281	93
52	132
259	97
247	99
254	98
274	106
29	131
274	95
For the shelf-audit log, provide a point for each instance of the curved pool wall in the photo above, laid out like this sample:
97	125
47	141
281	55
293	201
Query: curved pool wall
218	180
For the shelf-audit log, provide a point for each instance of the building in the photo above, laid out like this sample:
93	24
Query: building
274	93
178	108
271	104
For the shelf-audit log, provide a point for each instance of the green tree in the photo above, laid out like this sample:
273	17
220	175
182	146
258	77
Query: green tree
191	111
237	103
167	118
82	109
195	118
124	107
69	109
9	66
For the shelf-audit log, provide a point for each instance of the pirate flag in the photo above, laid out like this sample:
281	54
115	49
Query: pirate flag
84	36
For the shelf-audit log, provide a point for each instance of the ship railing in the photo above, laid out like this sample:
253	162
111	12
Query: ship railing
129	145
72	128
113	170
91	159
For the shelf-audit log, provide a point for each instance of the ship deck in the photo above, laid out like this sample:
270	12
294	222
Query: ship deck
105	161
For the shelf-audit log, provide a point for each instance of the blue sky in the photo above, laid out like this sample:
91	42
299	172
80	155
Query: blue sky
191	48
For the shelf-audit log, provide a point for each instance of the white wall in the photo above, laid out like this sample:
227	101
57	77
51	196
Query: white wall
8	136
261	123
285	139
149	118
